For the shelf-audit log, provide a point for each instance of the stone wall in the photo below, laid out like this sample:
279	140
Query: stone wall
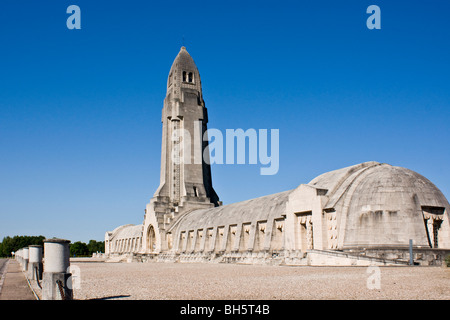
421	256
380	257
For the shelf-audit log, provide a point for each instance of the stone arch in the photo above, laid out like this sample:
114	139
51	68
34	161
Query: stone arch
151	239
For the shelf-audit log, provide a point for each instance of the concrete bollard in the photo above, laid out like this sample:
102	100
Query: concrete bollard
56	281
17	256
35	262
25	259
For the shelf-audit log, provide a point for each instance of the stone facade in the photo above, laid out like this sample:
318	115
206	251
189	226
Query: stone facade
124	239
345	217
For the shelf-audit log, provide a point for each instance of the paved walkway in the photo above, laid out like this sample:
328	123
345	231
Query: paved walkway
15	285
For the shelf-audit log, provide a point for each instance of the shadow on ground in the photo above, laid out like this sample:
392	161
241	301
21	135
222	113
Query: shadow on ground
112	297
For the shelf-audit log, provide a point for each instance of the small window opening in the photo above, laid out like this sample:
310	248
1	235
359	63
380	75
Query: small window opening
195	192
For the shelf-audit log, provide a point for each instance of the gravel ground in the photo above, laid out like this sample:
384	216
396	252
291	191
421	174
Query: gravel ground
250	282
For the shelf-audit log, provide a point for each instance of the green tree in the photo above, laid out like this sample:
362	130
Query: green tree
96	246
79	249
15	243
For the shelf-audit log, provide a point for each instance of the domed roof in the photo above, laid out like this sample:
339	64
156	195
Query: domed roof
370	179
387	179
126	231
339	179
380	204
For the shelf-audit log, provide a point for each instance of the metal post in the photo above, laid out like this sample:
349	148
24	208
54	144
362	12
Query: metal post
411	257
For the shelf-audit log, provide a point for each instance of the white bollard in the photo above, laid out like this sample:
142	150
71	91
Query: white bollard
35	262
55	280
25	259
56	255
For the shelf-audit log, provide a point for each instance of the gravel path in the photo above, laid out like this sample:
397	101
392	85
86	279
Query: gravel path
230	281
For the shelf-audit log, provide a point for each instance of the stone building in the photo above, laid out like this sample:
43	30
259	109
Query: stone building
361	214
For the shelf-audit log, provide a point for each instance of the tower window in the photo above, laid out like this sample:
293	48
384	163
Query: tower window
188	77
195	192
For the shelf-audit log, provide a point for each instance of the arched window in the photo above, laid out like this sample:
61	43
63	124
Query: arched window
191	77
184	76
151	239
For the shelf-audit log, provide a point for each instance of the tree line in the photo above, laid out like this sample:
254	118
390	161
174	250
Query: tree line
81	249
77	249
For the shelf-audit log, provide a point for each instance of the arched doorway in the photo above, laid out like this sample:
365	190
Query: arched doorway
151	239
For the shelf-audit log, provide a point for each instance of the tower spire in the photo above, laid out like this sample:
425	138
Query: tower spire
184	185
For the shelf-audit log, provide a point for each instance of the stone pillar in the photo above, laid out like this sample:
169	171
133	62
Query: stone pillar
25	259
35	262
56	281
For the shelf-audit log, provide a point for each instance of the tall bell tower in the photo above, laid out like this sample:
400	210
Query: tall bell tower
185	180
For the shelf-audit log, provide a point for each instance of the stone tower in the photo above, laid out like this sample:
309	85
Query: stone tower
185	181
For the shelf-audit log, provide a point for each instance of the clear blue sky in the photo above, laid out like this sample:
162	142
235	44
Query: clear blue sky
80	110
